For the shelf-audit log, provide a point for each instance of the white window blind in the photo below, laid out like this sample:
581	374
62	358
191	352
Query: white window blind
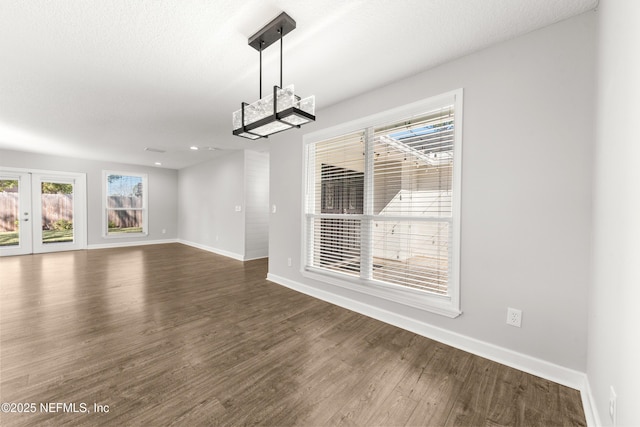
411	197
337	207
381	203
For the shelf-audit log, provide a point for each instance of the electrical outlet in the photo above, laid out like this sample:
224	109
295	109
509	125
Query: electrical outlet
288	262
612	405
514	317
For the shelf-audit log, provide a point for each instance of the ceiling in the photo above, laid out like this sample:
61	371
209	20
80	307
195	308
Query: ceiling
105	79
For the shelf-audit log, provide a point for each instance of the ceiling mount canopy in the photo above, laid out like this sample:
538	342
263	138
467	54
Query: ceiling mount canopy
282	109
270	33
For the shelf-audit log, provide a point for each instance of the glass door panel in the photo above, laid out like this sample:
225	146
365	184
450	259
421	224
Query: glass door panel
15	213
9	217
57	212
59	204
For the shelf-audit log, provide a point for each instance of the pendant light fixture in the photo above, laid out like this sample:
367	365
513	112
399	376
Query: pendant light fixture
282	109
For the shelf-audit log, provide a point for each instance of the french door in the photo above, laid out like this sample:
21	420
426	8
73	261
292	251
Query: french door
41	212
15	213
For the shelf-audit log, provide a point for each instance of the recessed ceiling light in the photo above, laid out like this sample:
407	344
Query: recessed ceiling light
158	164
193	147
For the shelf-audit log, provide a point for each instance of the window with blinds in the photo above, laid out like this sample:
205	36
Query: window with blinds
381	203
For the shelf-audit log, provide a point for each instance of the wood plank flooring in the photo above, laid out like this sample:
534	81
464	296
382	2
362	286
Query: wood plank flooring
172	335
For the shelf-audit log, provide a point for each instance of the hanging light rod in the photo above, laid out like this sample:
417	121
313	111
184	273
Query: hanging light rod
282	109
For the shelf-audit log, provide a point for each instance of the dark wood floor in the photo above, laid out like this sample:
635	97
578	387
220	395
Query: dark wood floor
172	335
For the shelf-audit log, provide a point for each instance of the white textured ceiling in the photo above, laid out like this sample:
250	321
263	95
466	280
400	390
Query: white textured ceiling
103	79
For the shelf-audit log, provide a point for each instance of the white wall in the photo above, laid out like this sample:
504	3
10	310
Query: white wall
614	315
208	195
526	209
256	200
163	185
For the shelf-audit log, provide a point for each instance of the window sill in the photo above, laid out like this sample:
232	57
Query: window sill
437	304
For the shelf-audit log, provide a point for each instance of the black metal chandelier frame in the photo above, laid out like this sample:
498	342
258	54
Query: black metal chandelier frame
272	32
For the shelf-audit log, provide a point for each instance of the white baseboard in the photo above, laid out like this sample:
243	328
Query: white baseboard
256	257
589	404
184	242
532	365
251	255
217	251
126	244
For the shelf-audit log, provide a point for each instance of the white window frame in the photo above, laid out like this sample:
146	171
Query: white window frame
144	209
446	305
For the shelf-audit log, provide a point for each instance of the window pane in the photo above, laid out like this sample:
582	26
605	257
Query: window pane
124	221
57	212
413	166
121	187
9	217
336	244
339	175
412	253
